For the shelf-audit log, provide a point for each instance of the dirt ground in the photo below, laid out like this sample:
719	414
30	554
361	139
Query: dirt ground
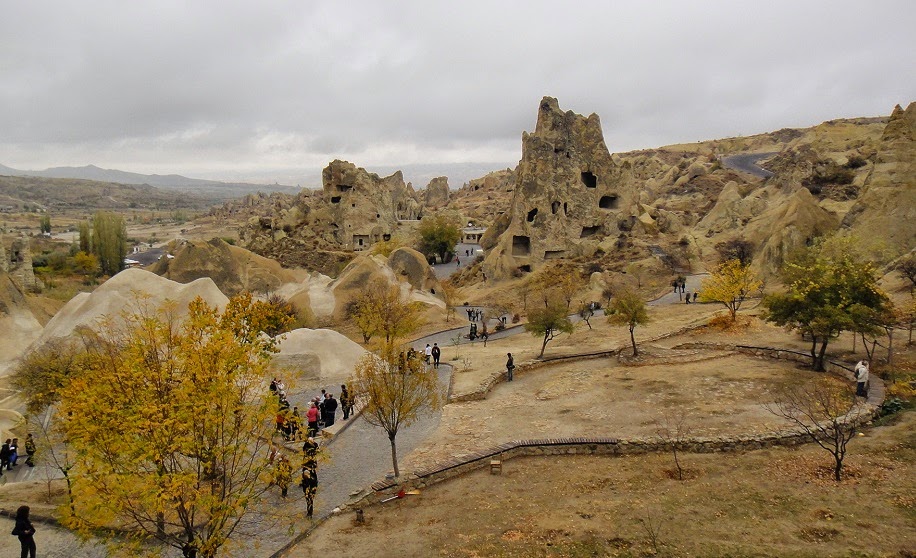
774	502
721	393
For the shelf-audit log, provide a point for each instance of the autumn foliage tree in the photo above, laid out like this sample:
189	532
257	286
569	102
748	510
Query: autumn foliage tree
451	294
628	309
170	422
394	392
831	288
381	310
730	284
548	322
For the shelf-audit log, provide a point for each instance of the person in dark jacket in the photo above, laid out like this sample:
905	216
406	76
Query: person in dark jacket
309	482
330	409
436	352
25	532
510	366
5	454
346	405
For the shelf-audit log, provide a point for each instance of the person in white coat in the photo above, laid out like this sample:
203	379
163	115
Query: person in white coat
862	379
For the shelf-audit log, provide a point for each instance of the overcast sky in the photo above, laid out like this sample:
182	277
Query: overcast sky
244	89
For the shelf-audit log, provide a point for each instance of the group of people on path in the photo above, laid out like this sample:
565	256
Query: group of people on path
321	413
9	453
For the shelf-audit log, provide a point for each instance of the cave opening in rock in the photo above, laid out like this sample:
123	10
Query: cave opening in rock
386	237
554	254
589	180
590	231
608	202
525	268
521	246
344	188
554	207
532	214
565	209
335	199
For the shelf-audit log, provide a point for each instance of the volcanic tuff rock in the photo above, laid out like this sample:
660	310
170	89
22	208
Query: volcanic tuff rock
888	199
232	268
437	193
363	207
566	196
413	267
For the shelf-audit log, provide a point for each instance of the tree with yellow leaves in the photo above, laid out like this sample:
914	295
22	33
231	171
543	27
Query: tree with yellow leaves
730	284
451	293
628	309
169	423
395	391
381	310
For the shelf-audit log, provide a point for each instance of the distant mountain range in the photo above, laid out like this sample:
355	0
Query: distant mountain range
210	188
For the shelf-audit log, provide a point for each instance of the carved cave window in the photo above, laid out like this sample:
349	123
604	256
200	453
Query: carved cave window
589	180
532	214
608	202
521	246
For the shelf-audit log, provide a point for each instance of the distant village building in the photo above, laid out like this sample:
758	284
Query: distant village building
471	234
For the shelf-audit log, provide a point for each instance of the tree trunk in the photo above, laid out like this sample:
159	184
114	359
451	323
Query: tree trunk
544	344
819	365
633	341
813	352
838	468
394	455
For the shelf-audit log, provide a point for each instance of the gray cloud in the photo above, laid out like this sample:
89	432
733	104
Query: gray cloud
246	87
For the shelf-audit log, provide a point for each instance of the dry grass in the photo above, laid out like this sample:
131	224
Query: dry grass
775	502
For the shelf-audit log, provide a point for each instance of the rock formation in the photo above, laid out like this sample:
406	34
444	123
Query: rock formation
18	263
315	358
121	293
888	199
437	193
364	208
567	195
232	268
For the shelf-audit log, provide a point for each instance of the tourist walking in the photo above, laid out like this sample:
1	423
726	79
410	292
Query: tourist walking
428	353
436	352
862	379
14	451
30	450
309	480
510	366
283	474
5	456
25	531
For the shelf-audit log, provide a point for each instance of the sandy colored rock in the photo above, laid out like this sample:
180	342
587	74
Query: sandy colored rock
413	267
310	357
232	268
120	293
437	193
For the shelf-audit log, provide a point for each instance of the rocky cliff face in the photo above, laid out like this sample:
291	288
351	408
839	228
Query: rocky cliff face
437	193
888	197
567	195
364	208
320	230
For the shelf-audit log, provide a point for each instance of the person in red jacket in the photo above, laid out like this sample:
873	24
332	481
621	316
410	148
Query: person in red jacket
312	416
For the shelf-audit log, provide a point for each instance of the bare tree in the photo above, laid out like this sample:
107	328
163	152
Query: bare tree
673	429
826	410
